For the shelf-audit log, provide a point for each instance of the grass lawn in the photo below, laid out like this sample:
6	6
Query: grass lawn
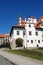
28	53
41	49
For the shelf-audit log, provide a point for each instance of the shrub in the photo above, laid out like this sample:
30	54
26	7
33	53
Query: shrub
5	45
19	42
40	48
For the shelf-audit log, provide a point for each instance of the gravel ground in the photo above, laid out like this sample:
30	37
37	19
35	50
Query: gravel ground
20	60
3	61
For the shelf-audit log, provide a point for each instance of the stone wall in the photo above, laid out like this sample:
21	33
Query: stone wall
13	44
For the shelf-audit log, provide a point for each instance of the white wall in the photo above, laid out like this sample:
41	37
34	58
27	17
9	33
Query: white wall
18	36
15	36
33	36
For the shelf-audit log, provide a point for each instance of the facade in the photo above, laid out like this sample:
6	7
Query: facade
4	38
31	31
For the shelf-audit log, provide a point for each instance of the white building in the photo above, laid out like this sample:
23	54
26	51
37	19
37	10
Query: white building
4	38
31	31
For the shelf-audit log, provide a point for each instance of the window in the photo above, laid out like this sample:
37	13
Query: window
23	32
31	41
42	40
29	25
1	40
38	41
37	45
35	40
30	33
36	33
27	40
17	32
42	35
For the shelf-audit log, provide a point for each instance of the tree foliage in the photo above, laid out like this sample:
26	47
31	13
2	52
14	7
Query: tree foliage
19	42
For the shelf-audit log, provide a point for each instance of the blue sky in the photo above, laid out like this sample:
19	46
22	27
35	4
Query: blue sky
11	9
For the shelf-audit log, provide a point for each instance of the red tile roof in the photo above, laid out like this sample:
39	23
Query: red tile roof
23	22
37	25
3	35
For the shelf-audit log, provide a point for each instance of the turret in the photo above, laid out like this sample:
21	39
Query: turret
20	20
34	20
30	20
